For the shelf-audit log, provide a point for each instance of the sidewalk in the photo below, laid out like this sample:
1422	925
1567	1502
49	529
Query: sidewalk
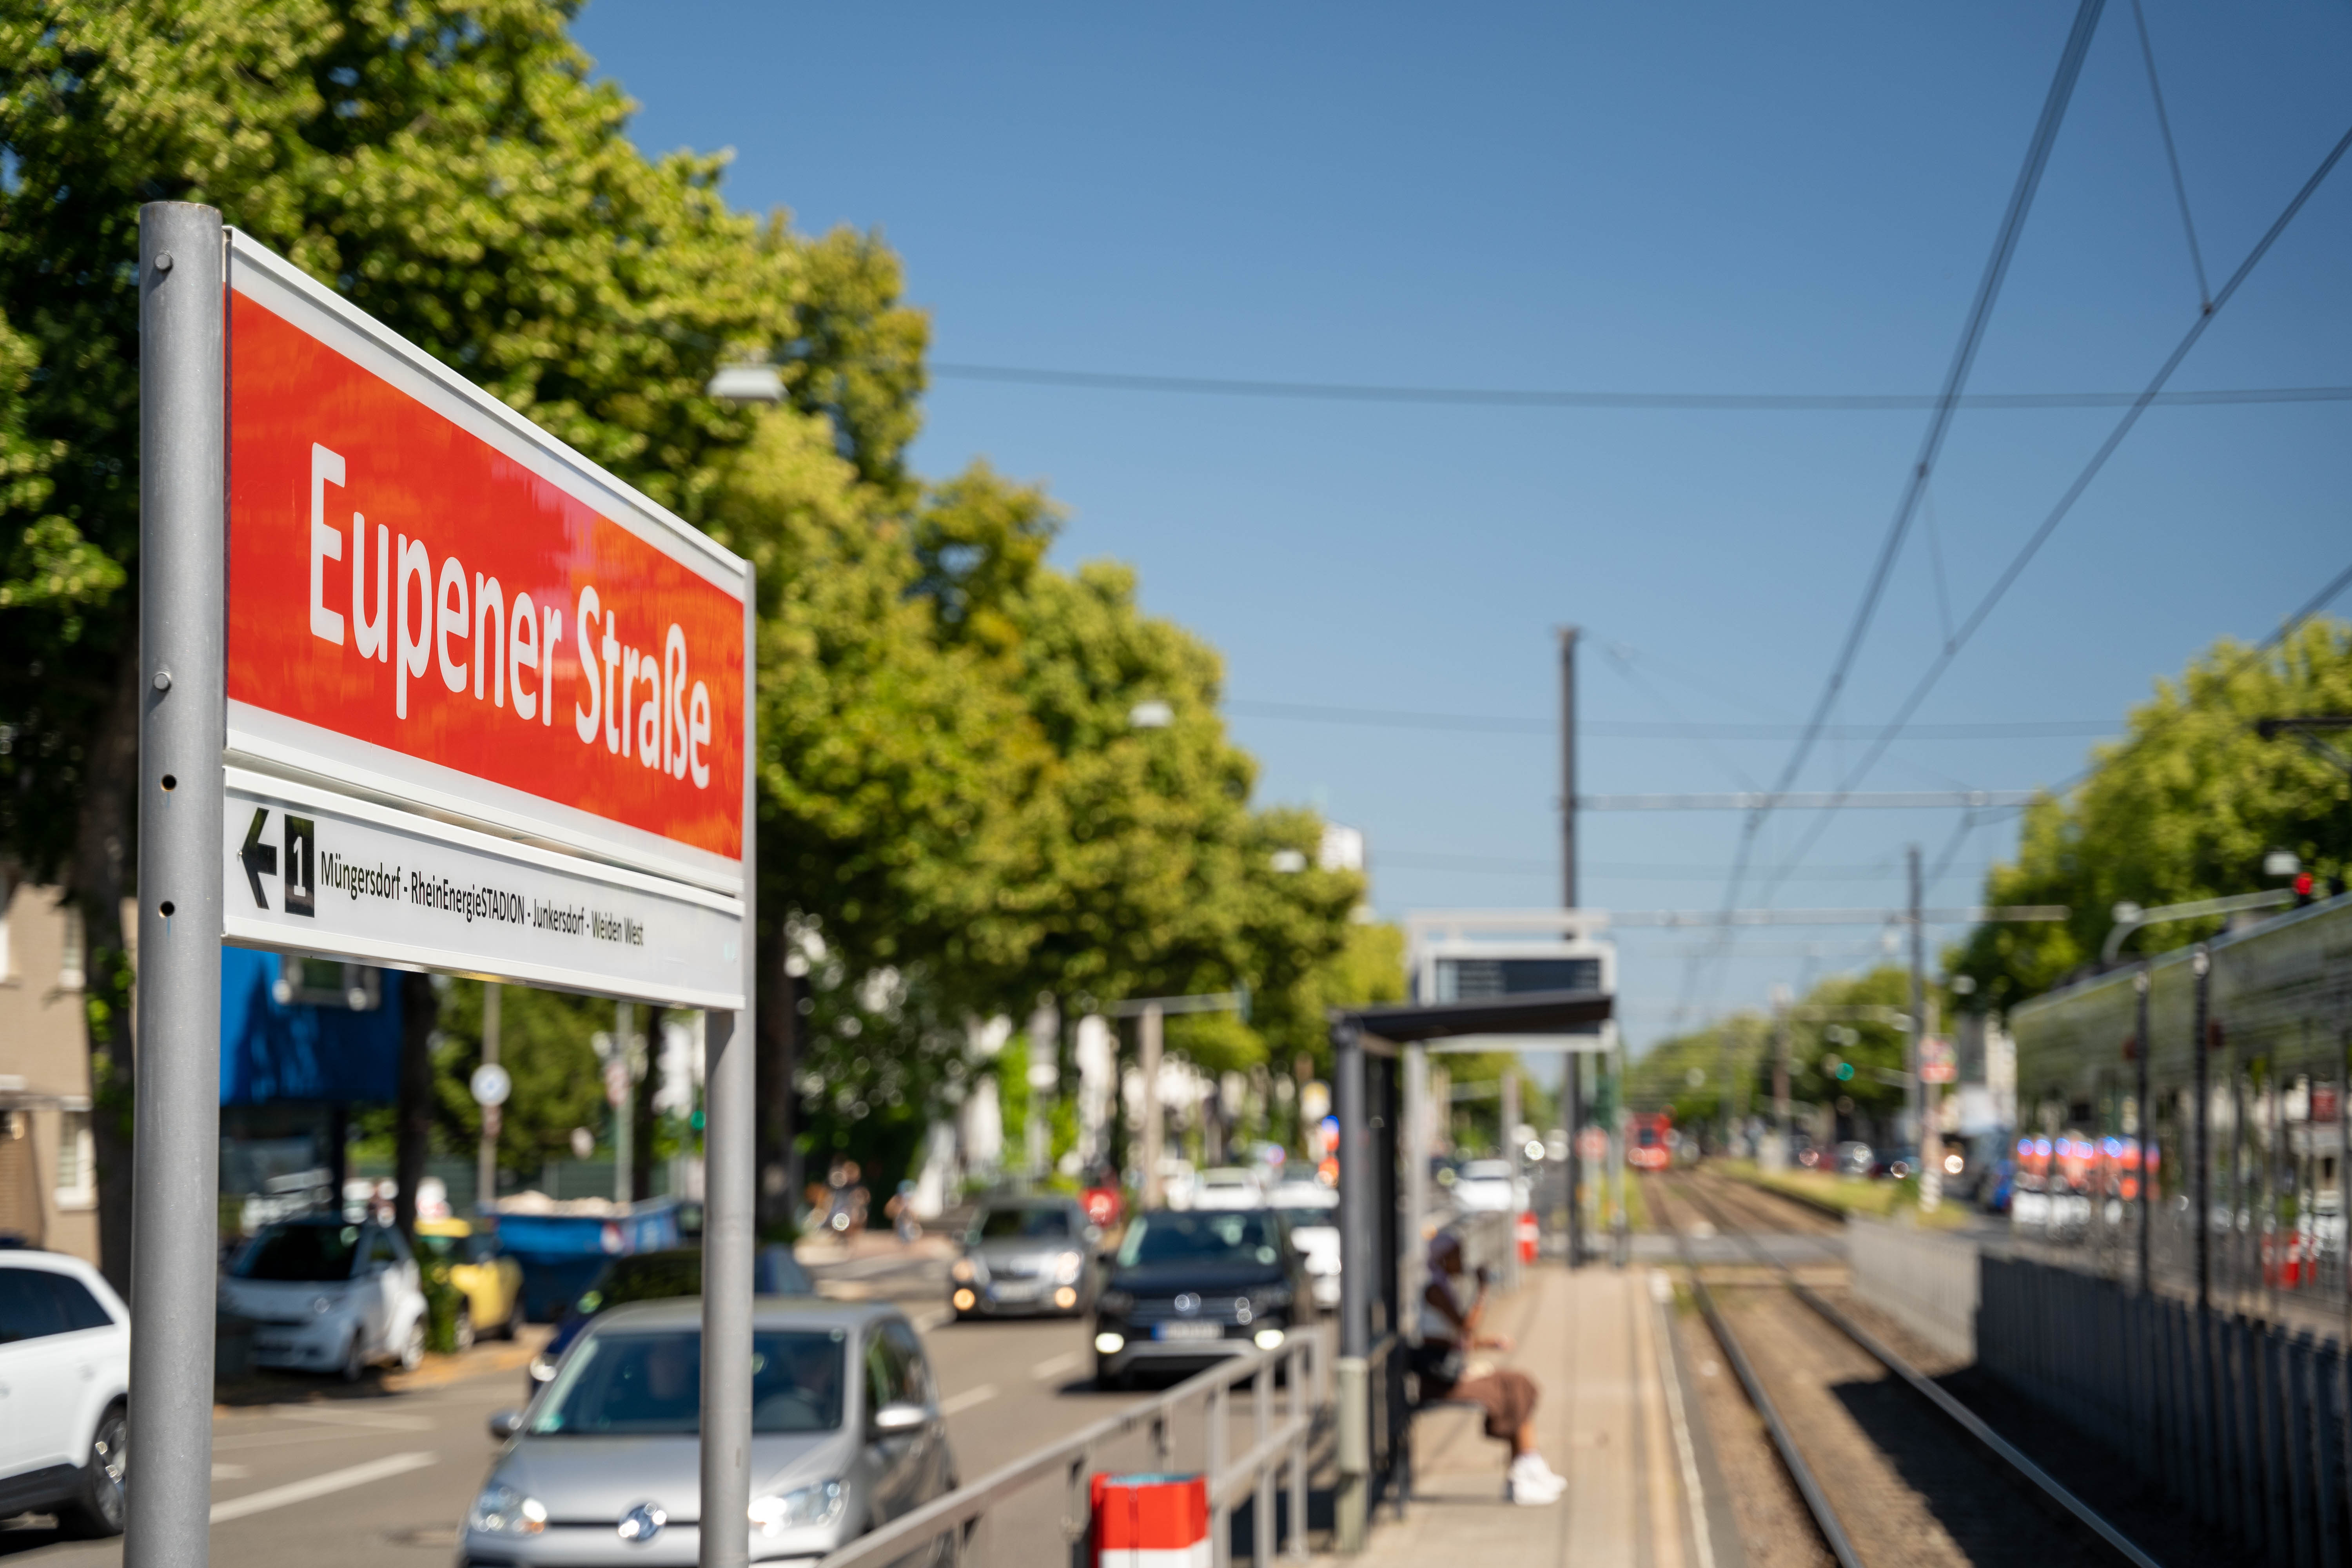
1592	1340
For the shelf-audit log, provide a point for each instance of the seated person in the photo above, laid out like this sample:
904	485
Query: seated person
1449	1331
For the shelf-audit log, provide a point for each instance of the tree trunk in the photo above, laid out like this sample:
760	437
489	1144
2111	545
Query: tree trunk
420	1016
641	1110
103	863
777	1020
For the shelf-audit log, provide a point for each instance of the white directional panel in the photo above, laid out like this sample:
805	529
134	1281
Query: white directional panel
312	871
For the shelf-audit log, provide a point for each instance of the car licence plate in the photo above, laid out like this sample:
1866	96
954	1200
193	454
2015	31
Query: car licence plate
1188	1332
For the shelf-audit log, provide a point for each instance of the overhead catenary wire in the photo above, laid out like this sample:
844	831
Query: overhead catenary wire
1940	421
1506	724
1603	399
2171	154
2083	480
2311	606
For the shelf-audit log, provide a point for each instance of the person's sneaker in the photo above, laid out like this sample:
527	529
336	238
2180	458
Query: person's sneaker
1530	1483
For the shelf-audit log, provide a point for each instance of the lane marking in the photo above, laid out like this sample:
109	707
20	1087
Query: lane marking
231	1472
958	1403
320	1486
1054	1366
937	1317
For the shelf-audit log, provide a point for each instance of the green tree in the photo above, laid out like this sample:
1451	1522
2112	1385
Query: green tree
2183	807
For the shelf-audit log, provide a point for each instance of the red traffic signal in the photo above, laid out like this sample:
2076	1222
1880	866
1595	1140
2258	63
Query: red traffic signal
2303	888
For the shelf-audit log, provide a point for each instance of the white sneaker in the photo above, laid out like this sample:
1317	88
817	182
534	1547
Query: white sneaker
1530	1483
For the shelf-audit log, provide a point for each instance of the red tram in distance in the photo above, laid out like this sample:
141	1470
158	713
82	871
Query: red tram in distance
1650	1146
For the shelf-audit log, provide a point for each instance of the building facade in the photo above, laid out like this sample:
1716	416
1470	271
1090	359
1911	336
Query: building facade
49	1186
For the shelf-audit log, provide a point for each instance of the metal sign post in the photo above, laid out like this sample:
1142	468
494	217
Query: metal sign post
176	1178
426	688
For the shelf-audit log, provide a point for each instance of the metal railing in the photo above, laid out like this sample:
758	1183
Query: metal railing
1277	1456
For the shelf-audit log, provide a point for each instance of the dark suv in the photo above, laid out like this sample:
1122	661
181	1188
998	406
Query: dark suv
1190	1286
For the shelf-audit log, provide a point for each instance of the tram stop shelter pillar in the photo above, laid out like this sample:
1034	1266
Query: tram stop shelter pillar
1381	1082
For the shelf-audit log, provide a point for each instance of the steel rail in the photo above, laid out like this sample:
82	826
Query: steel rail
1966	1419
1817	1501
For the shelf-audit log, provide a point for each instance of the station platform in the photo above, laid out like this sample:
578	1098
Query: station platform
1610	1417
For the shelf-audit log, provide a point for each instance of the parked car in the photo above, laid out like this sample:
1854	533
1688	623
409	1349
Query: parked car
659	1277
846	1435
1311	1211
490	1281
1852	1158
1896	1165
1187	1288
1228	1187
65	1377
1489	1186
1024	1257
329	1295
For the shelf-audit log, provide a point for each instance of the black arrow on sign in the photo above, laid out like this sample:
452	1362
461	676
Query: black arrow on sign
258	858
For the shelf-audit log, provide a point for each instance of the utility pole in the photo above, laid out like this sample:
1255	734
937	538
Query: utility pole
1568	635
1915	1093
1778	1158
486	1161
1572	1080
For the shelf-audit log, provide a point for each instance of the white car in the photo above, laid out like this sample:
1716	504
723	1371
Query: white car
1228	1187
329	1295
1311	1210
65	1374
1487	1186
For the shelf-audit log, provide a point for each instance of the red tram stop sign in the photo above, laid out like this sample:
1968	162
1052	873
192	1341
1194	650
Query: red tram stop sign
484	701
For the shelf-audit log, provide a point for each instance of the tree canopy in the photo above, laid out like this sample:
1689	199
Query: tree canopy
2185	807
951	789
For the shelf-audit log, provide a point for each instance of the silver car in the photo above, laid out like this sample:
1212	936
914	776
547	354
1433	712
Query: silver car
1024	1257
604	1466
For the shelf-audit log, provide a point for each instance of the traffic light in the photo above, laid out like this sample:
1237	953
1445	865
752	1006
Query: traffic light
2303	884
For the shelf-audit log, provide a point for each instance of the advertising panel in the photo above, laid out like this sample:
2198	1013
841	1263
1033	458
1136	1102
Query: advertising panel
436	604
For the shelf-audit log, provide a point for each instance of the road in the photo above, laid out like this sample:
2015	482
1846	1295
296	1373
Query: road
379	1476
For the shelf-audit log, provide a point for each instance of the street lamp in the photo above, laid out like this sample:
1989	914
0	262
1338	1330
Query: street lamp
755	382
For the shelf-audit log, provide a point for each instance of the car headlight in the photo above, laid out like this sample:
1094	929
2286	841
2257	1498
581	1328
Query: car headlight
502	1511
1115	1303
1069	1267
801	1507
966	1270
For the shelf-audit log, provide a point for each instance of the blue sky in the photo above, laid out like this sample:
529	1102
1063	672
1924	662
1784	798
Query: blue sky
1654	199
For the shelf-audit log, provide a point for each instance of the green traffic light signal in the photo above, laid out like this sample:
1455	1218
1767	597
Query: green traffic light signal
696	1120
1845	1071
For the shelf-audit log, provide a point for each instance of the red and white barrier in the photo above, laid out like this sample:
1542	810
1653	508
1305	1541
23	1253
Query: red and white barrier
1151	1521
1524	1231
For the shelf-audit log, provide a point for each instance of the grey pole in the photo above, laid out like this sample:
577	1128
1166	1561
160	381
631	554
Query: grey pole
1357	1262
1420	1141
729	1152
1147	1066
175	1170
2147	1128
1913	1100
1568	635
1572	1081
486	1158
2200	964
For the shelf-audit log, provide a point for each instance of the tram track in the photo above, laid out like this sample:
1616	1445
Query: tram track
1872	1479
